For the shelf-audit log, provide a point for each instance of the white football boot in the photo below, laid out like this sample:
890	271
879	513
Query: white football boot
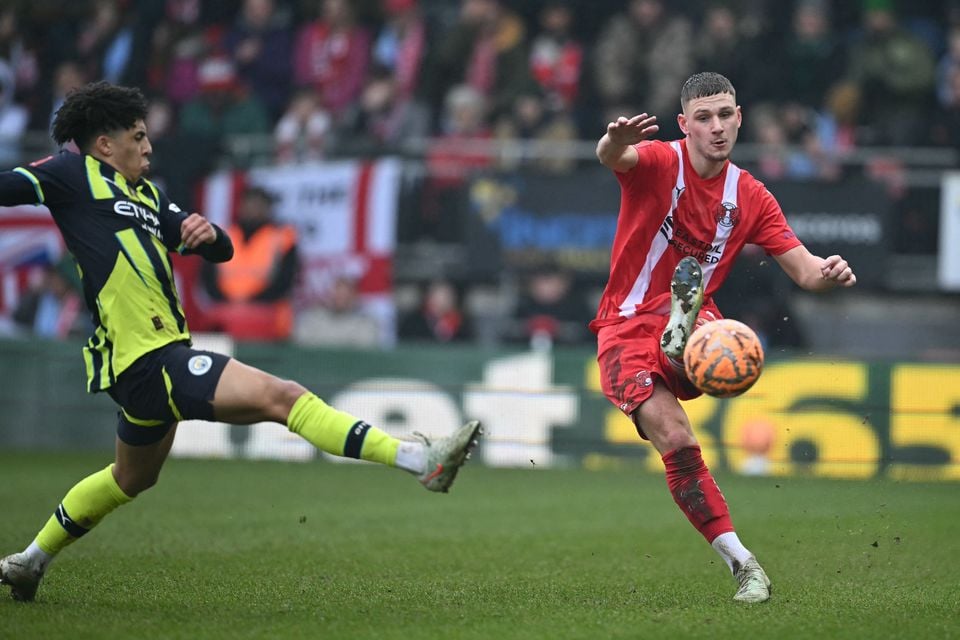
19	573
686	298
445	456
754	584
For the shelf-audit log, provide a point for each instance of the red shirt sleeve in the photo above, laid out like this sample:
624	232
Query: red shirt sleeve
653	158
772	232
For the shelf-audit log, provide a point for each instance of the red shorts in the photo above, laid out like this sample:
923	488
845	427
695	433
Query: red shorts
631	360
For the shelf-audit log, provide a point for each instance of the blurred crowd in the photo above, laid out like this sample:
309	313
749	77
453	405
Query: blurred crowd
328	78
332	76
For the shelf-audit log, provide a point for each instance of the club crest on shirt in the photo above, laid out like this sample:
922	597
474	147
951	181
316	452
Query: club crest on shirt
728	215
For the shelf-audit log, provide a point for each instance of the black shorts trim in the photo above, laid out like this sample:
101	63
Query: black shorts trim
139	435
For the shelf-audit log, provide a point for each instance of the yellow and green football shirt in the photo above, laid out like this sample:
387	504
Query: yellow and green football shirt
120	235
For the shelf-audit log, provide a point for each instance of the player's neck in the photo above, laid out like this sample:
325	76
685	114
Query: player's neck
705	167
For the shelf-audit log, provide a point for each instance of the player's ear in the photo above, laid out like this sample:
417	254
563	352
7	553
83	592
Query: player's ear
103	145
682	121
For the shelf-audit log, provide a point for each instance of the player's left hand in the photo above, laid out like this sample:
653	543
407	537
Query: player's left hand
835	269
196	230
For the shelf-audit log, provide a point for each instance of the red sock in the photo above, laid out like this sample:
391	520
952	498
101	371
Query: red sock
696	492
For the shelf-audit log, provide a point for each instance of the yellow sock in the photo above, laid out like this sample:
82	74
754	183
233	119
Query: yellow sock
86	504
339	433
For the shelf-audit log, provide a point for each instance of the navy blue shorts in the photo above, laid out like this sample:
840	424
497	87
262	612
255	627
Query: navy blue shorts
172	383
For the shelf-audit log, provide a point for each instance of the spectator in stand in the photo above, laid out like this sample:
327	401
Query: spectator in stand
837	122
332	55
812	55
641	57
551	310
791	144
946	130
928	20
341	322
486	51
556	57
179	160
401	45
177	48
462	149
439	318
302	133
894	71
51	28
816	157
13	119
20	55
382	119
949	62
261	45
542	131
450	159
721	46
224	106
773	156
253	292
105	41
145	20
67	77
52	306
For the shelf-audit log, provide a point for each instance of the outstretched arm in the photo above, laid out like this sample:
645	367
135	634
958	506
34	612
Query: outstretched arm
16	188
615	149
198	235
814	273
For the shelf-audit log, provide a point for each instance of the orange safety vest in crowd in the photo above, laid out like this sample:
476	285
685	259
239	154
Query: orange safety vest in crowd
254	260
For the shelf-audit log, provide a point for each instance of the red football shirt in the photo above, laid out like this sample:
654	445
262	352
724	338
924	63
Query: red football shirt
666	214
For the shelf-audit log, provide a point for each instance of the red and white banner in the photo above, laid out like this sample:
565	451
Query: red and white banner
29	239
345	214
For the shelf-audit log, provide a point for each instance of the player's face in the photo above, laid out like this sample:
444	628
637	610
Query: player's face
130	151
711	124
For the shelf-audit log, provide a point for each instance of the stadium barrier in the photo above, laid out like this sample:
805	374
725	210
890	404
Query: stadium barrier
827	417
520	221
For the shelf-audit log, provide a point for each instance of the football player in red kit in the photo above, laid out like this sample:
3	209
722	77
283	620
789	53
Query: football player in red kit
686	211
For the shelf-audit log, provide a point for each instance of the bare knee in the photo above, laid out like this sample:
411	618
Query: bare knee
281	396
137	468
246	395
663	421
135	481
676	436
666	433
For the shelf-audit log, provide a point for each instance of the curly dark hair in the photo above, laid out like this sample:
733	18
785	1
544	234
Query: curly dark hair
95	109
701	85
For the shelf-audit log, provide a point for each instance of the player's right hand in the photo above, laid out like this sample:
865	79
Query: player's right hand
195	230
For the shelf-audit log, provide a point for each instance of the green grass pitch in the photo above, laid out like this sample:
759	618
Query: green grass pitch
285	550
